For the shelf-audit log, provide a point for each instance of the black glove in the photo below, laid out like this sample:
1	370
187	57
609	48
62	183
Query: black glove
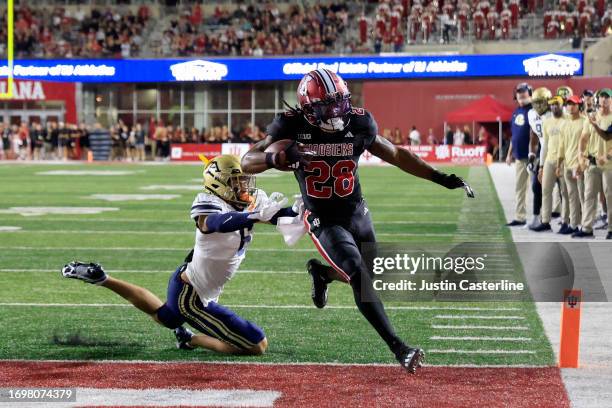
296	156
452	182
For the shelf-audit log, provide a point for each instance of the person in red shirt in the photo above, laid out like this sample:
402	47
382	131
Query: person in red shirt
363	29
514	9
427	23
492	22
506	18
479	23
552	30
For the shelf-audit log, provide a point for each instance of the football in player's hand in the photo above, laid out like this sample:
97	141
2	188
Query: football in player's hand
288	152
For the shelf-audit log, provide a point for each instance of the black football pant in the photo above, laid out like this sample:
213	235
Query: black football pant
339	241
536	187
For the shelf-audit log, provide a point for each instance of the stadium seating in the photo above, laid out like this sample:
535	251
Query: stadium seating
43	32
283	28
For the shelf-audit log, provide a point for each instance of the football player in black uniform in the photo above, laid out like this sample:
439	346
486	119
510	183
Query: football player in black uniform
329	136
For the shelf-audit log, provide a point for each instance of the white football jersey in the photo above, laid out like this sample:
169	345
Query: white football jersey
535	122
216	256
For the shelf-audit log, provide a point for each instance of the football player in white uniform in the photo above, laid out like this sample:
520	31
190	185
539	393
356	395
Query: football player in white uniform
539	111
224	215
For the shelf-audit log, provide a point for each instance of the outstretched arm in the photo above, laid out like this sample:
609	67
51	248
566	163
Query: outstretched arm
409	162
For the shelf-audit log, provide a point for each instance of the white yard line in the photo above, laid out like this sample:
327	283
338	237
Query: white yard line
150	271
482	317
237	306
476	327
91	220
189	232
154	249
302	363
458	351
479	338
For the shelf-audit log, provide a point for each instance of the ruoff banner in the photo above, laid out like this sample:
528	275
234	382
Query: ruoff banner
468	154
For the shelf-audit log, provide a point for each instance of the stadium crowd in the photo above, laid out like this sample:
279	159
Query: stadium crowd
153	139
256	30
58	32
312	28
453	20
64	141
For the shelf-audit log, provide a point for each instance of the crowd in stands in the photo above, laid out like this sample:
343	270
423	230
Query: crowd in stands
256	30
264	28
48	32
578	18
450	20
64	141
153	139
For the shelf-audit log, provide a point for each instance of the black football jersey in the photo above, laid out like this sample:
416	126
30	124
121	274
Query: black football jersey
330	183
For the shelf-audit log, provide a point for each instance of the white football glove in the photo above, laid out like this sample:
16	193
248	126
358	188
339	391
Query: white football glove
259	199
275	202
298	206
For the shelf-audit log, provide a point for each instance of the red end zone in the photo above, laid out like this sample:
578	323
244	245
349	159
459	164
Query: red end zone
310	385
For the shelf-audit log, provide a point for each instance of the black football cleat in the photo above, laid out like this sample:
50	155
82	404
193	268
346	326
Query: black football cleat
582	234
609	236
183	337
410	358
566	230
516	223
87	272
545	226
319	283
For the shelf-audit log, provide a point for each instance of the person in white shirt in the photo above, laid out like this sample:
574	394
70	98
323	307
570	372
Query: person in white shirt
535	116
458	137
414	136
224	214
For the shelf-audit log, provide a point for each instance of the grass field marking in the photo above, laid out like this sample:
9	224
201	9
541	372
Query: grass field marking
476	327
265	233
479	338
149	271
244	306
34	248
9	51
466	317
261	363
458	351
148	220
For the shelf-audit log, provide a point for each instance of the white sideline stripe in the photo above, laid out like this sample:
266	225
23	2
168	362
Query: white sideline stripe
155	397
258	306
480	338
479	317
189	232
456	351
264	363
471	327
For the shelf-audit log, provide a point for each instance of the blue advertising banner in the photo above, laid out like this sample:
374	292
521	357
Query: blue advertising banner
292	68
